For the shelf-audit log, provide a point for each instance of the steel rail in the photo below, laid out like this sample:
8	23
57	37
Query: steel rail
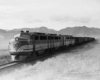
8	64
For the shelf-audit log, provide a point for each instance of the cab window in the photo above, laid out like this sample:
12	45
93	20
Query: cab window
36	37
43	37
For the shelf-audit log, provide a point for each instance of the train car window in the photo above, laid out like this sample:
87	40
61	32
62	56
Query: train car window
50	37
43	37
71	37
36	37
67	38
56	38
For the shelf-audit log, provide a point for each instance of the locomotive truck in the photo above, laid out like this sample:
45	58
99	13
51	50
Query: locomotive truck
33	44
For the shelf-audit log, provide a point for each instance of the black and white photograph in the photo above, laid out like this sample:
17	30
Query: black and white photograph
49	40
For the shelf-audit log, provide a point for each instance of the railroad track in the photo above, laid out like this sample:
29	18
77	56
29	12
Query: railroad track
8	64
26	61
12	63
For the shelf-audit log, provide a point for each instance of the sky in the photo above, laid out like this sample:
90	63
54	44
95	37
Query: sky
53	14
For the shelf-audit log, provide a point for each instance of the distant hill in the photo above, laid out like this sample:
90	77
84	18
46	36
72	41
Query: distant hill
80	31
13	32
40	29
76	31
5	36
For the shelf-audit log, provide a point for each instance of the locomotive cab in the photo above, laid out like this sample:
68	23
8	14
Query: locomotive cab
20	45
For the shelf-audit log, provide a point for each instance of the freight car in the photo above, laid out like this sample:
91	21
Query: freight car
29	44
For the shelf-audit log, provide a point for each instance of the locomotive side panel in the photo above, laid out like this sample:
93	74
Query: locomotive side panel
39	45
28	43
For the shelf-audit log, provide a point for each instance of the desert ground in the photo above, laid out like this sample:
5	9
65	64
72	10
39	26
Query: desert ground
4	53
79	63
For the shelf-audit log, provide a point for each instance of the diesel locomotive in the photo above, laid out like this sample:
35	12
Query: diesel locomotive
29	44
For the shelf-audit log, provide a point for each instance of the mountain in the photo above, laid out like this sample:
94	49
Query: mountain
75	31
9	34
80	31
40	29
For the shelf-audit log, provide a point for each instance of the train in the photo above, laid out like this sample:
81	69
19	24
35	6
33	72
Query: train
26	45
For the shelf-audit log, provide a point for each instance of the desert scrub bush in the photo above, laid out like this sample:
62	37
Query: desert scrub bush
4	56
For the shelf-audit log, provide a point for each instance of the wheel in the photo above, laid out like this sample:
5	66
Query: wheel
32	55
40	52
37	54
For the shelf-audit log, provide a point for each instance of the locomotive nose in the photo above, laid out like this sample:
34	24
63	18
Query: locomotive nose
11	46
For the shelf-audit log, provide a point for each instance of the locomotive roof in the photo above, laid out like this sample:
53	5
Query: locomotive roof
40	33
37	33
43	33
